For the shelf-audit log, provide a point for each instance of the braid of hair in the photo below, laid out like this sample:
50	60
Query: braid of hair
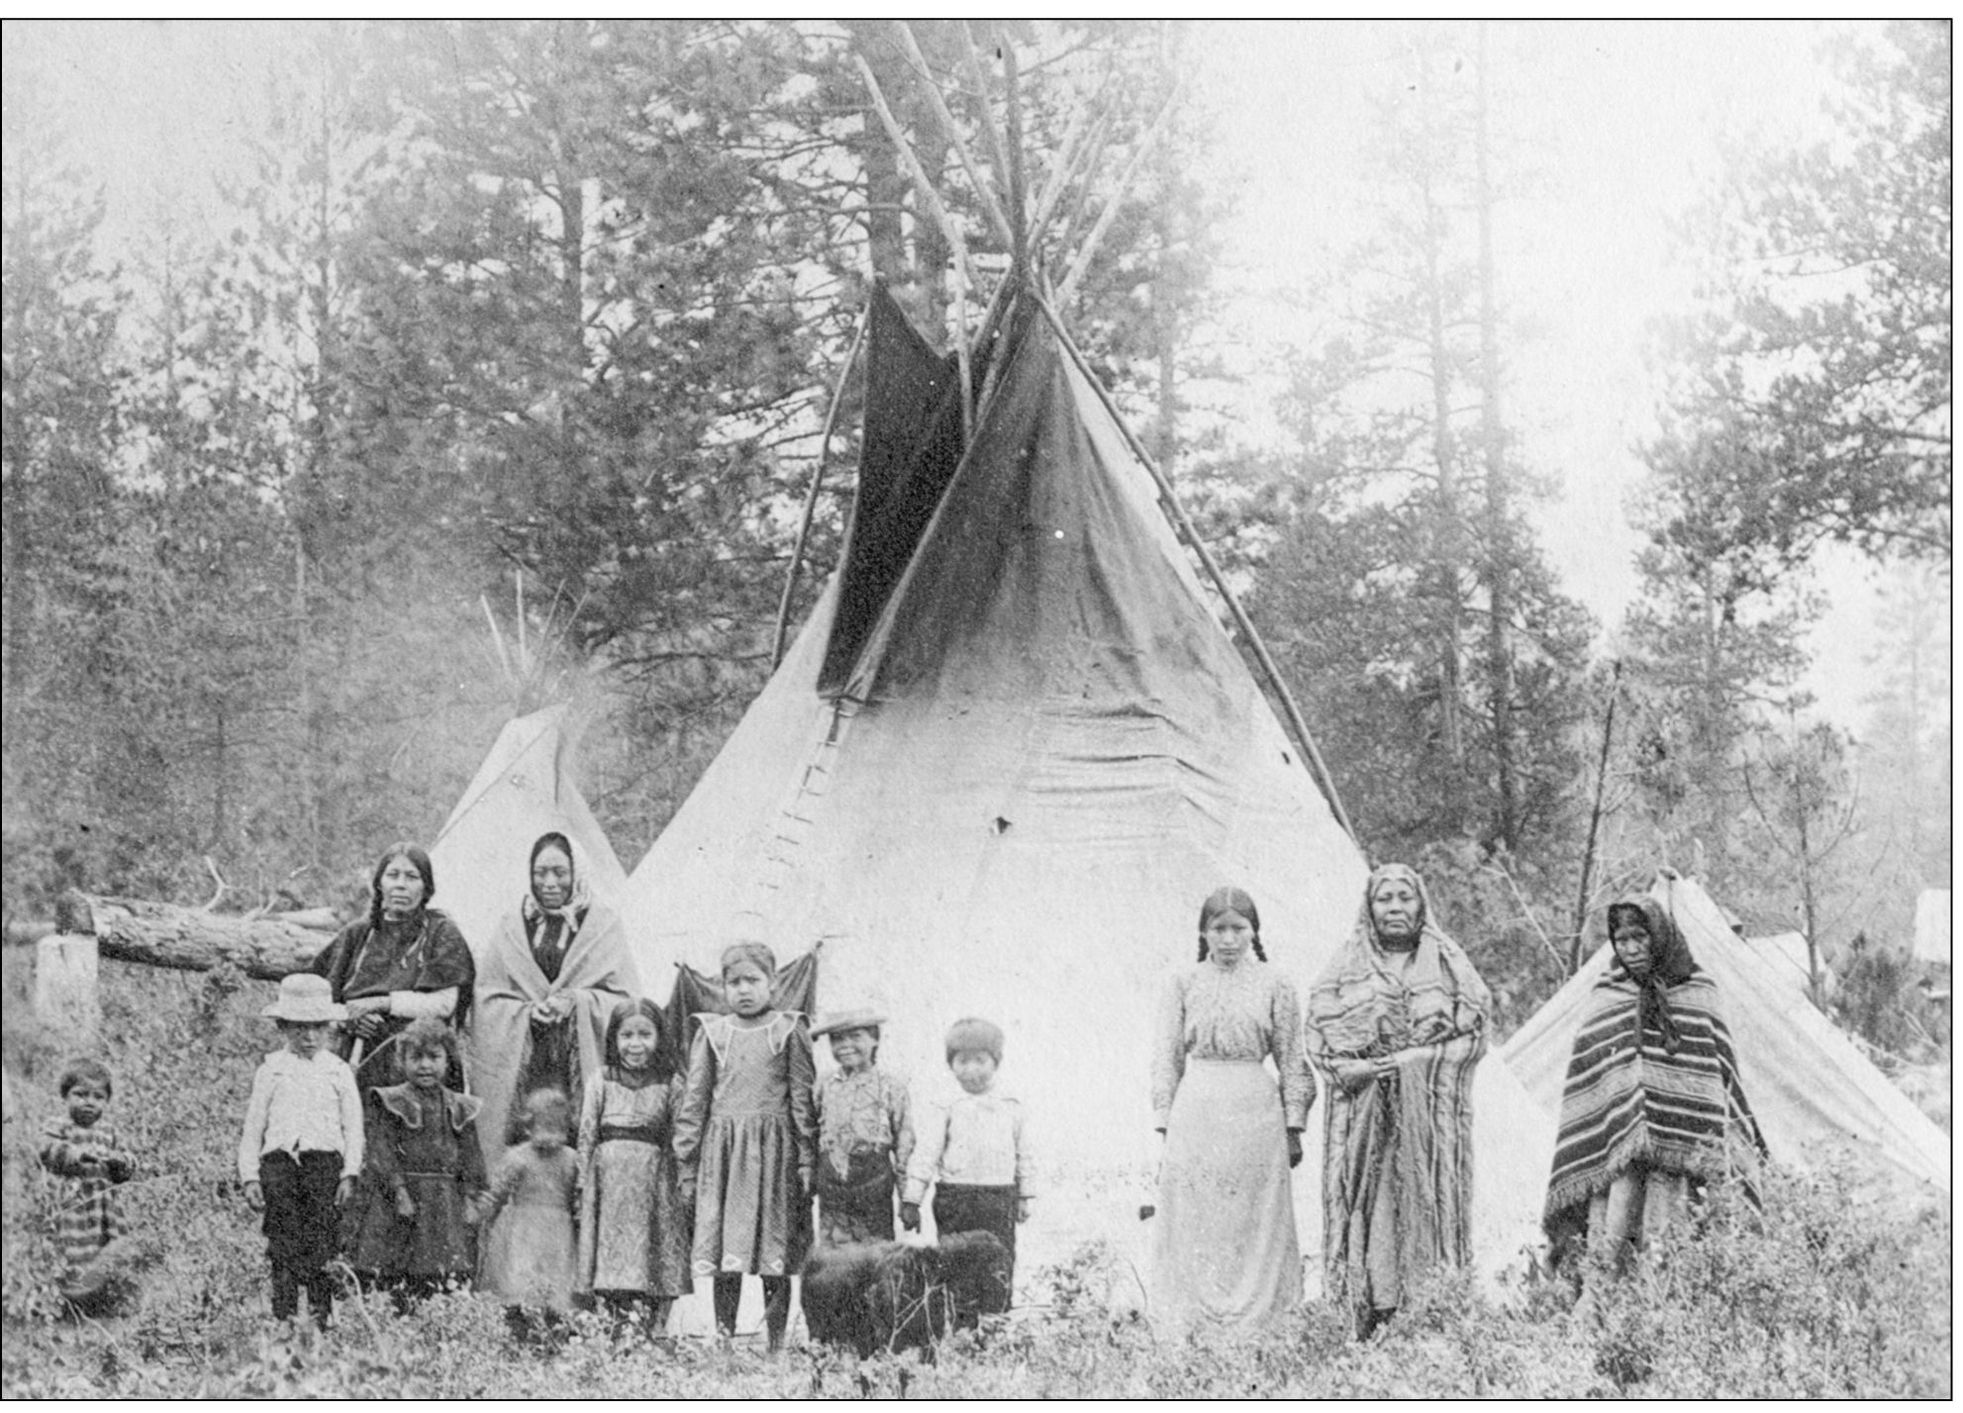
1259	953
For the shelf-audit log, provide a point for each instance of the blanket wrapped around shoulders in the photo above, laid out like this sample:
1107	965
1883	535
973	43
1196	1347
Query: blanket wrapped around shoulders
1652	1080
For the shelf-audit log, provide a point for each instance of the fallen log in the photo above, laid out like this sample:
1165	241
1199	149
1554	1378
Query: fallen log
190	939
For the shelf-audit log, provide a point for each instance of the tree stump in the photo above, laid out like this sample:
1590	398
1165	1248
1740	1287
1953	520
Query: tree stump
66	966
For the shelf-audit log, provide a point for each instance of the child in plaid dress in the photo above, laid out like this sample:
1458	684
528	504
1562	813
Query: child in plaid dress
88	1162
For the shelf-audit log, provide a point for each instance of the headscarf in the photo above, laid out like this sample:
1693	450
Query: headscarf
551	930
1365	1004
1670	965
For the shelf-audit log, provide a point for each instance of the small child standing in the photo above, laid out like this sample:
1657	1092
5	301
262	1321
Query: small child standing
974	1152
302	1147
89	1161
865	1134
747	1142
425	1173
530	1257
633	1251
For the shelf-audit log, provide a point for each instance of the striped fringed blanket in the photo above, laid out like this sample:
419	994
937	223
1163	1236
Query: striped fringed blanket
1411	1132
1627	1100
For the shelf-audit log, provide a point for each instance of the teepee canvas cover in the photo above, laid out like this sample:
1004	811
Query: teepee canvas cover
1817	1098
1001	780
523	789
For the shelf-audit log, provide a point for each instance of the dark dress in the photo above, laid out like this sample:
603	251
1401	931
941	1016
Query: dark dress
427	1145
423	952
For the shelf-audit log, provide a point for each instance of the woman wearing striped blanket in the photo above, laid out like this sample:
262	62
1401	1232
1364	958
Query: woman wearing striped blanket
1652	1110
1397	1023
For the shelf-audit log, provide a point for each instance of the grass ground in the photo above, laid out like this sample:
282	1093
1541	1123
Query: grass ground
1826	1298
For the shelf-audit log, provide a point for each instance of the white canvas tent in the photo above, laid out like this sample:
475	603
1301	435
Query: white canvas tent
1819	1101
1009	754
523	789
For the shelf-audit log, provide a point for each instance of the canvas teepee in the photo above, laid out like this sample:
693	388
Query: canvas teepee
523	789
1011	751
1819	1101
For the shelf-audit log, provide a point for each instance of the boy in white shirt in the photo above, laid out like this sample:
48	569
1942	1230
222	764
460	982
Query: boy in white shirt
973	1150
302	1147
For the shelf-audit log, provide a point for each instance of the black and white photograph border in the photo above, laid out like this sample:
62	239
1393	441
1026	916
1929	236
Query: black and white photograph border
1203	709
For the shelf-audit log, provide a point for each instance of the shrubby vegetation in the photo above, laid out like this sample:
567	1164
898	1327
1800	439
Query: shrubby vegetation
1836	1297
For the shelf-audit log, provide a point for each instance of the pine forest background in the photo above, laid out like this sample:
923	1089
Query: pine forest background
538	321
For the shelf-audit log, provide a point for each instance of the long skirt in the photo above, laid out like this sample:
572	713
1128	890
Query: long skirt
1224	1249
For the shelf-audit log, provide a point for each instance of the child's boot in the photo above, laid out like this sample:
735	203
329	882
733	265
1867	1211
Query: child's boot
776	1309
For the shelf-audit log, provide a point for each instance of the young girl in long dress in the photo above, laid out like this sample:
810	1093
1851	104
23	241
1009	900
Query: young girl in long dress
747	1142
1224	1246
633	1244
425	1174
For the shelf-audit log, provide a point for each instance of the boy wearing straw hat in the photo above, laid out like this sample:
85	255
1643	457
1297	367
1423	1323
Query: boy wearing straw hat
865	1133
301	1151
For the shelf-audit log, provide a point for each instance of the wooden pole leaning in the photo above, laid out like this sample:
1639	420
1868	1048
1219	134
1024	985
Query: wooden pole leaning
1318	769
1082	263
918	173
990	206
811	494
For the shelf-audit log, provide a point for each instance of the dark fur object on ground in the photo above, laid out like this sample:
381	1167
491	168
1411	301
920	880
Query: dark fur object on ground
887	1296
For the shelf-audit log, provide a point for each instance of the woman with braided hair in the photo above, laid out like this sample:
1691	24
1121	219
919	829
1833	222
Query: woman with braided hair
1224	1247
1652	1109
1397	1022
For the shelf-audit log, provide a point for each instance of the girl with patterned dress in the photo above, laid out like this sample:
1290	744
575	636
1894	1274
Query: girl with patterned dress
424	1177
88	1161
747	1142
865	1134
1224	1247
1398	1023
633	1239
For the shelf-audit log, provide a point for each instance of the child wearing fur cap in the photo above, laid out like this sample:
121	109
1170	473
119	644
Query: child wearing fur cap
973	1150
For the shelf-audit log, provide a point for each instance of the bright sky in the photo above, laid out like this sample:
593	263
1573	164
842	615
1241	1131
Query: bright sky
1622	118
1622	121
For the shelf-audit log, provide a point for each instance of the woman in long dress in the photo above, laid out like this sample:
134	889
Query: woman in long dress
1397	1023
549	979
404	960
1652	1109
1224	1246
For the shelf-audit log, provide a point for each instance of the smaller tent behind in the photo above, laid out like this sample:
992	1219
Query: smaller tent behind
523	789
1932	926
1818	1099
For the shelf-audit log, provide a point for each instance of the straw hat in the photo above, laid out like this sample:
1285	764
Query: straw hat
858	1018
306	999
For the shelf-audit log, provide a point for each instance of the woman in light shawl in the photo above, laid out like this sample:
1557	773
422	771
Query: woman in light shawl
1397	1023
1652	1108
547	983
1224	1248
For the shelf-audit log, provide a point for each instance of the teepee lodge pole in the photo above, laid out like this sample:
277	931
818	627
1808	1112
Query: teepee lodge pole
1318	769
1018	196
817	480
990	206
1082	262
928	196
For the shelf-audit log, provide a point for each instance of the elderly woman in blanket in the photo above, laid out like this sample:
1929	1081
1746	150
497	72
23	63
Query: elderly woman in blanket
545	987
1397	1023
